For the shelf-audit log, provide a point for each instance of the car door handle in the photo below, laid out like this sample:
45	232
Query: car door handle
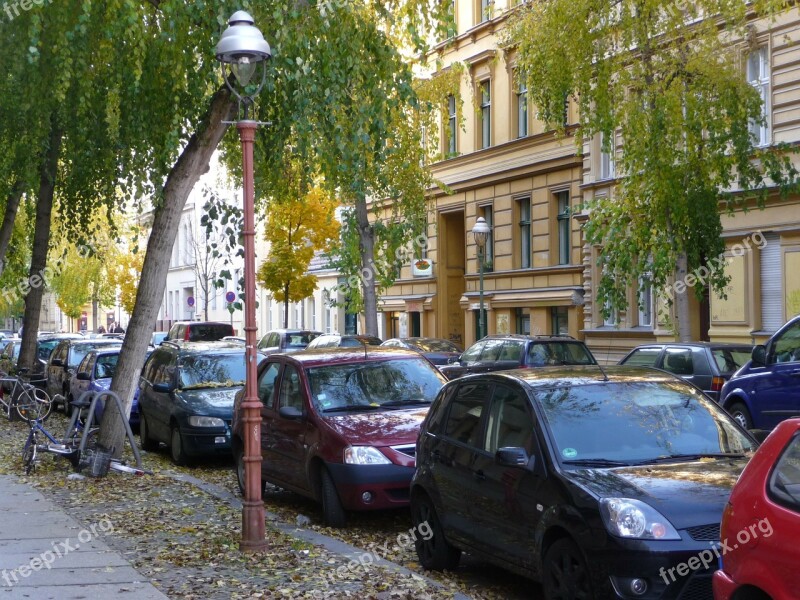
478	475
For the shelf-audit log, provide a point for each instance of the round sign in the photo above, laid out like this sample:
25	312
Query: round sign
230	296
190	301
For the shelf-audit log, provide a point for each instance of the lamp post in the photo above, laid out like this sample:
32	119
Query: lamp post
480	232
242	48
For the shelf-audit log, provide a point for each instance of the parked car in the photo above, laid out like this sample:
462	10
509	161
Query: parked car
199	331
9	355
708	365
235	338
186	394
94	374
341	425
64	360
286	340
766	390
598	482
439	352
761	523
334	340
501	352
158	337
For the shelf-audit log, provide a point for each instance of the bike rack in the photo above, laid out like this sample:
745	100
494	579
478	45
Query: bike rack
90	418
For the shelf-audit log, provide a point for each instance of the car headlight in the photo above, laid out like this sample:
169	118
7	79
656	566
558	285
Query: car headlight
364	455
633	519
206	422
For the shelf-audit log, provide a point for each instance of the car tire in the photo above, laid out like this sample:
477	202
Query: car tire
564	572
435	553
147	443
741	415
332	511
176	449
66	406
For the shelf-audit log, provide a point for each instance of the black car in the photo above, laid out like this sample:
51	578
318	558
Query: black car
438	351
334	340
186	395
708	365
600	483
64	360
501	352
199	331
286	340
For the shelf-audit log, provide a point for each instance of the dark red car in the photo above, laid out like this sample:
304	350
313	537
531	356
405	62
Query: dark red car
340	425
761	524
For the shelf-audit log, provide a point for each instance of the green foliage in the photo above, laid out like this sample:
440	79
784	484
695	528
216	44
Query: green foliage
671	85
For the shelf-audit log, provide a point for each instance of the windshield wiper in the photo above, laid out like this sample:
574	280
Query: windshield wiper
347	407
596	462
687	457
406	403
212	384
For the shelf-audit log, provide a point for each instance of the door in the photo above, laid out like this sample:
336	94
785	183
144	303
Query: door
776	393
54	371
159	403
266	394
83	376
287	436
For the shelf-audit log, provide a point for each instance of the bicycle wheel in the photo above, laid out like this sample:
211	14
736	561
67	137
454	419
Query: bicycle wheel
29	456
33	403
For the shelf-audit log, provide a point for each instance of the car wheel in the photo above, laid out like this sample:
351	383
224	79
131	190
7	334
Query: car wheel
565	575
741	415
332	511
147	443
239	460
435	552
176	450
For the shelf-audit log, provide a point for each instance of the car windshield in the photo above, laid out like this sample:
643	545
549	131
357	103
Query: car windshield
45	348
212	370
299	340
434	345
389	383
208	332
79	351
559	353
637	421
105	366
730	359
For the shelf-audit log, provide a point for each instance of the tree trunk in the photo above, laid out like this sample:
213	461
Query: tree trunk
682	292
7	228
41	244
366	235
192	163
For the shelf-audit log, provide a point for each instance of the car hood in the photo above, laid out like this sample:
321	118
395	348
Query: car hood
688	494
213	402
380	428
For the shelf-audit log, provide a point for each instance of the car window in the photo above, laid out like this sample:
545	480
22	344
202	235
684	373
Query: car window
164	370
784	483
464	417
679	361
60	351
730	359
291	394
208	332
787	346
105	366
508	424
78	351
491	351
266	385
642	357
512	350
86	364
472	353
151	364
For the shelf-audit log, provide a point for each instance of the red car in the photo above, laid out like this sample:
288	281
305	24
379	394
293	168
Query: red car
761	524
341	425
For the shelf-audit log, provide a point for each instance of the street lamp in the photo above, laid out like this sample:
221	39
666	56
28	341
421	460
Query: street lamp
481	233
243	49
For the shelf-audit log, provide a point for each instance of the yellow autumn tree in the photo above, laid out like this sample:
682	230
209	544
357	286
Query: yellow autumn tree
297	226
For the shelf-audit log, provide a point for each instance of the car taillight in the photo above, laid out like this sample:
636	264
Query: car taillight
717	383
186	335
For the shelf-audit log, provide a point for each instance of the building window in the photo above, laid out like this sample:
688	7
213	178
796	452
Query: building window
452	26
524	232
645	301
613	316
564	230
313	311
488	256
522	105
485	6
559	320
758	77
523	321
451	125
486	114
607	166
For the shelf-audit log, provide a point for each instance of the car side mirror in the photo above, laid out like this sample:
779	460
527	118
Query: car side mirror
512	457
57	362
162	388
759	434
291	412
759	356
83	376
454	360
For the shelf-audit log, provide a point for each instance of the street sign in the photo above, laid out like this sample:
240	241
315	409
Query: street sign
190	301
230	296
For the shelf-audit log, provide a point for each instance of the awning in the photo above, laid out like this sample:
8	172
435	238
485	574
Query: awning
530	298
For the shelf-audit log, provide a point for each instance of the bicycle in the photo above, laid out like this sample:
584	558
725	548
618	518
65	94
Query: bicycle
23	399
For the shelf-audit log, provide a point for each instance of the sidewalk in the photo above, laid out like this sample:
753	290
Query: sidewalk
46	554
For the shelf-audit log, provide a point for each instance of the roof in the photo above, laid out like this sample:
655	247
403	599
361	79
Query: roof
218	347
318	356
522	336
694	344
540	377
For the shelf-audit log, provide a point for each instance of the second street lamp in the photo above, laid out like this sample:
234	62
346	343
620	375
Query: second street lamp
481	232
242	47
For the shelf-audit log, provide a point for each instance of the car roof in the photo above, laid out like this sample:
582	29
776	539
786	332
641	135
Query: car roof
545	377
217	347
319	356
522	336
711	345
96	342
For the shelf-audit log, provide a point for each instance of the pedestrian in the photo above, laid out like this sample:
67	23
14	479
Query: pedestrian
118	329
101	329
